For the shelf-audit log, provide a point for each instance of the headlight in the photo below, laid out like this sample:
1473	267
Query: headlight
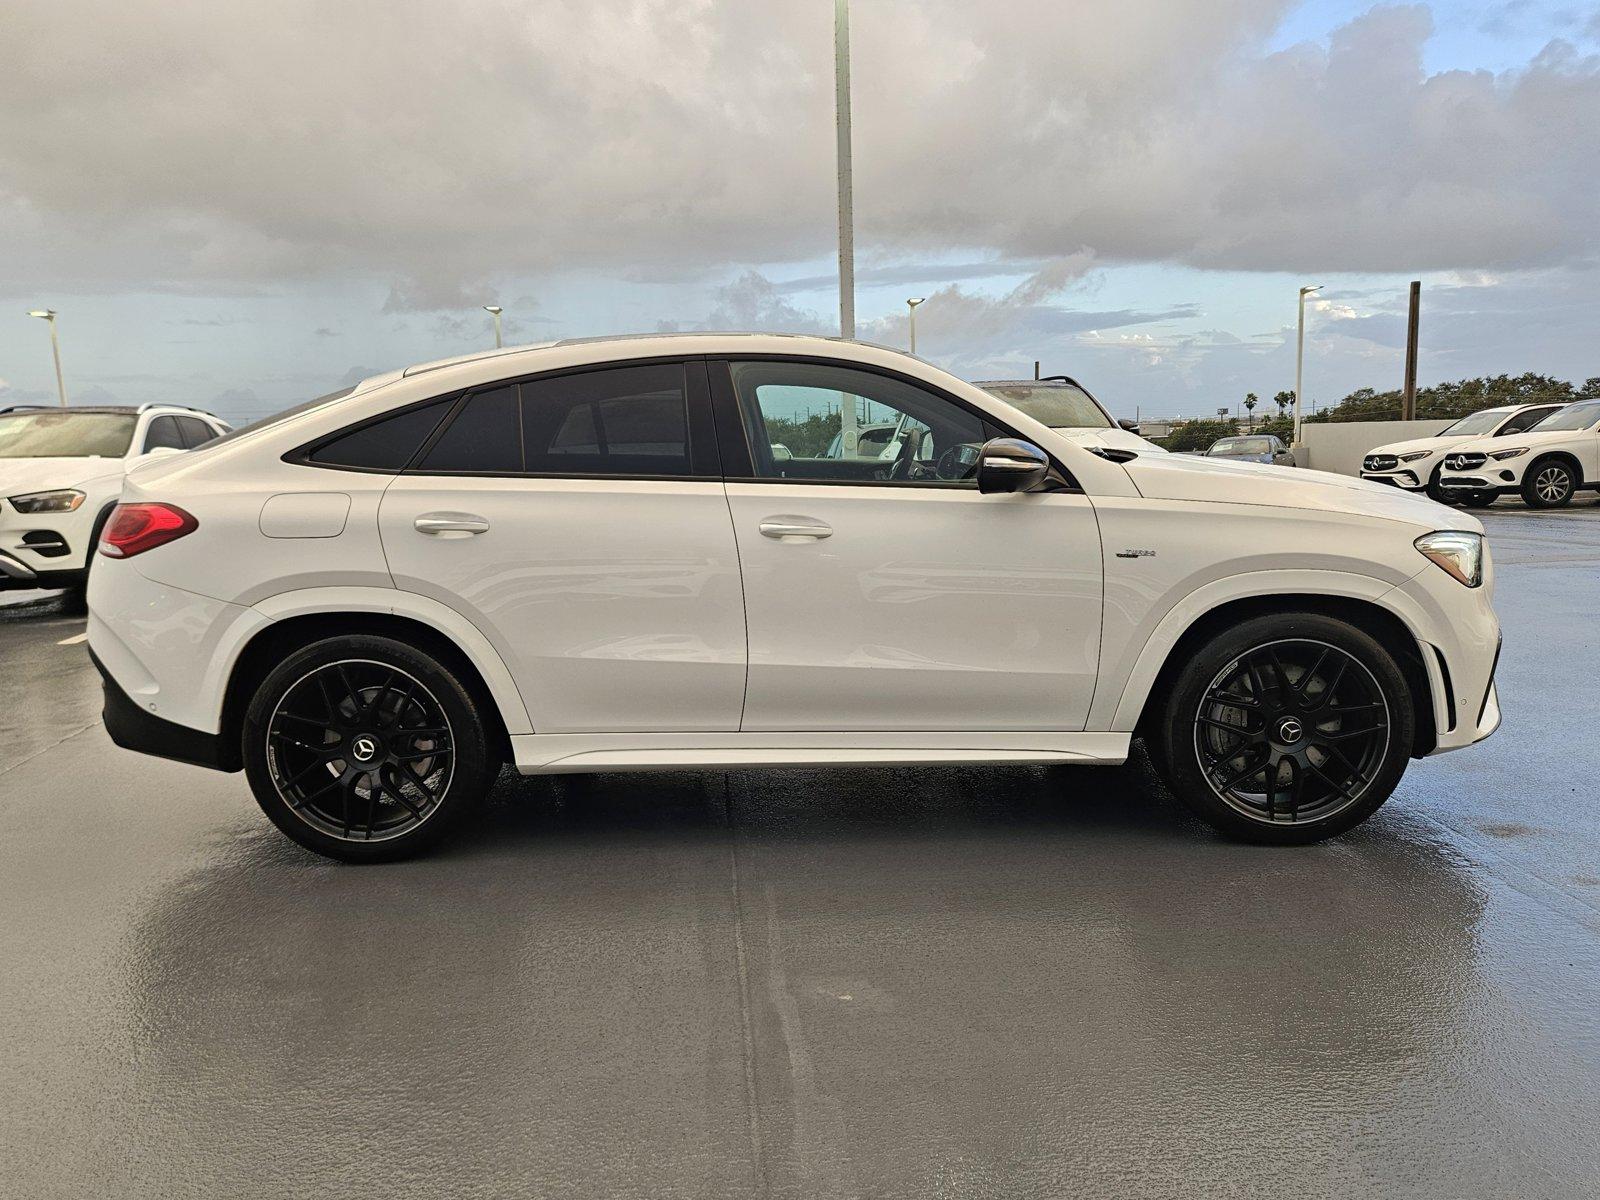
1456	552
66	500
1414	455
1502	455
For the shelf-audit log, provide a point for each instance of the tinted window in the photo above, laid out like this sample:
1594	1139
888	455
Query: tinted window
386	445
626	421
163	432
1525	420
795	419
486	436
195	431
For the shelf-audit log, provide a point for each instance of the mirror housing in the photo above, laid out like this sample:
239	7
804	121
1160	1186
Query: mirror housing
1130	426
1011	465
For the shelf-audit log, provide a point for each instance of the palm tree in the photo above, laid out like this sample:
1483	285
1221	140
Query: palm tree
1283	400
1250	403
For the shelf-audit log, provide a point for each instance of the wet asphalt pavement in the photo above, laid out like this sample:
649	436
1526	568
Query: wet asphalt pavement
973	982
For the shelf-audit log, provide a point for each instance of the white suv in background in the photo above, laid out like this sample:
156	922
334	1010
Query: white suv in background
590	557
61	471
1416	465
1546	464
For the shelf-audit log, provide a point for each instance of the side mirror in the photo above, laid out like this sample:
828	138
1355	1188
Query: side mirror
1011	465
781	453
1130	426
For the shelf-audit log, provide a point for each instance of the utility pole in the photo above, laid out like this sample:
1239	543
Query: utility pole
1299	359
1036	368
847	237
1408	405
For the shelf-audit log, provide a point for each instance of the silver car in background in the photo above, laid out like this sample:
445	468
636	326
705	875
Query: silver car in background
1256	448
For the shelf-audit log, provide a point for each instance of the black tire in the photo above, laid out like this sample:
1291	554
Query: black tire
1436	493
365	749
1478	499
1302	667
76	600
1549	483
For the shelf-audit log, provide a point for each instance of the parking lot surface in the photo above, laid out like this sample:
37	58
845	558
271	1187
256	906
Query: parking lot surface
970	982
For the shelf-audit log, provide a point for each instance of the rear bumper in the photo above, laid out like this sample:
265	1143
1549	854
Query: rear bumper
132	728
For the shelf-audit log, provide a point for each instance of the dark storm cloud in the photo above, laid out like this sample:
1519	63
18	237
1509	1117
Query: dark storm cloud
182	144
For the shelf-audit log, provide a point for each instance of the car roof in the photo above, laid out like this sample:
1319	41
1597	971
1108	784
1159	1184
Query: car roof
688	342
127	410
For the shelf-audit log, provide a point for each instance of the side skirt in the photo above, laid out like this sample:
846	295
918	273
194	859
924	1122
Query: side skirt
555	753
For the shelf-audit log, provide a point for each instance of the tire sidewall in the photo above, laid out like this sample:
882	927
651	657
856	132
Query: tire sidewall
1530	484
1185	774
473	765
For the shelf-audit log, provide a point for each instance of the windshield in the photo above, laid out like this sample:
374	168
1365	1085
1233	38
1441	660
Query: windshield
65	434
1574	416
1242	446
1058	405
1485	421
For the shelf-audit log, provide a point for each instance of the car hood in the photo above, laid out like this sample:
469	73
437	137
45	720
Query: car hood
1223	481
19	476
1415	444
1117	439
1532	439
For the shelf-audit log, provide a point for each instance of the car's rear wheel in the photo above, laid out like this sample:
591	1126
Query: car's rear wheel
365	749
1549	483
1287	729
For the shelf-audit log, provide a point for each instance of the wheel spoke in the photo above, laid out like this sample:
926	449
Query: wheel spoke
296	742
1225	727
1234	780
419	755
1344	735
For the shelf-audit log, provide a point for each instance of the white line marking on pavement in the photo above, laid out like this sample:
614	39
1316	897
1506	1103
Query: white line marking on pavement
74	639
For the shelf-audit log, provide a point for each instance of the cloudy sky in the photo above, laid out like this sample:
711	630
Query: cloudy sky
243	204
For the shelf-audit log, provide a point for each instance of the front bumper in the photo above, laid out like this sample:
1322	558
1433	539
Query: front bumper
1400	478
132	728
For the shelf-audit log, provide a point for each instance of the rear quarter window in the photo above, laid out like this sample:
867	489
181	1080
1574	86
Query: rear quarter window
388	444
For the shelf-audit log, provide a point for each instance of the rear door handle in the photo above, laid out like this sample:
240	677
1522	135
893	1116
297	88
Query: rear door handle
783	528
450	524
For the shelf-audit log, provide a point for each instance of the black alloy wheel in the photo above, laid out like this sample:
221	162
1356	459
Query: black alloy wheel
1286	728
365	749
1292	732
360	750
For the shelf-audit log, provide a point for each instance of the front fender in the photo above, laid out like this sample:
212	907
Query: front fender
1125	686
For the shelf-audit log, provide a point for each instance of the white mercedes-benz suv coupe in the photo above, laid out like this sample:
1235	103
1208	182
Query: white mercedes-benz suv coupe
587	557
1417	465
61	471
1547	464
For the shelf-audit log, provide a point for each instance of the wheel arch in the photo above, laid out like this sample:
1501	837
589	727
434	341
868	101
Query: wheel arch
1382	623
1567	457
271	643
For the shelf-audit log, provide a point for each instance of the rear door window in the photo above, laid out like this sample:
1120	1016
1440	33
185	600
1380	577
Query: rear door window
163	434
627	421
484	438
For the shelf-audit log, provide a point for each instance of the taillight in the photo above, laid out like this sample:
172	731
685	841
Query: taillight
135	528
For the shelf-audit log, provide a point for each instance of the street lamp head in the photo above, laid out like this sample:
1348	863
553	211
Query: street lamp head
915	300
1306	291
493	308
47	313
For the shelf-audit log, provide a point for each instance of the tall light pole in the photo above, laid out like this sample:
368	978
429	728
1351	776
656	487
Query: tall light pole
49	314
1299	359
911	308
494	311
847	237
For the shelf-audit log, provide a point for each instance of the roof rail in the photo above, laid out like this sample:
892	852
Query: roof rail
144	408
27	407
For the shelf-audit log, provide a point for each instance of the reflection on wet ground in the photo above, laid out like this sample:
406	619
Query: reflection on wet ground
956	981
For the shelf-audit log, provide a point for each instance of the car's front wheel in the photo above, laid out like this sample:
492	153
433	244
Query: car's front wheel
365	749
1549	483
1287	729
1437	492
1478	499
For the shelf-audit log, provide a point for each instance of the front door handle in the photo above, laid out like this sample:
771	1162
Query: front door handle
783	528
450	524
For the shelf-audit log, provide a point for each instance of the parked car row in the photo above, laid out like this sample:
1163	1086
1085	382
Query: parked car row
1418	465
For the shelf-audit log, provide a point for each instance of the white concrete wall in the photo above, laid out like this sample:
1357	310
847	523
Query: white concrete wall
1341	445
